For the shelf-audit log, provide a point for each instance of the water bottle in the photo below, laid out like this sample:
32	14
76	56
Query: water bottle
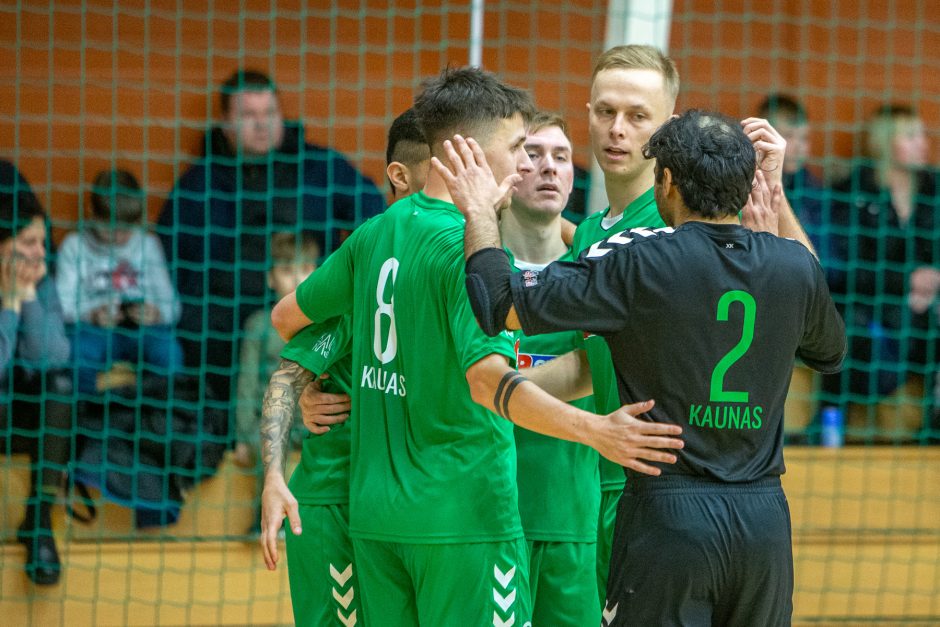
833	425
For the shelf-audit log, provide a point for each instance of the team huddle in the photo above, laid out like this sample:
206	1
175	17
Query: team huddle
482	385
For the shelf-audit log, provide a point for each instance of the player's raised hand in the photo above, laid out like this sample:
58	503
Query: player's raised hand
320	409
770	146
630	442
762	210
470	181
277	502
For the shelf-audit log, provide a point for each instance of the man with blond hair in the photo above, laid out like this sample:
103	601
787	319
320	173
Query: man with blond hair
633	92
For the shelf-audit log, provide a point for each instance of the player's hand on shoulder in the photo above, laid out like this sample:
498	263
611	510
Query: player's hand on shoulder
631	442
320	409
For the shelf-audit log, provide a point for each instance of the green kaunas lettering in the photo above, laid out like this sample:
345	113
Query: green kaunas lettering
382	380
726	416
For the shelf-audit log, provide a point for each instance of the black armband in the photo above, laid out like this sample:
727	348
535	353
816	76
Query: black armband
507	385
488	275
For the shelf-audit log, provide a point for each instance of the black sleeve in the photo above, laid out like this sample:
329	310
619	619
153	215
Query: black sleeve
487	284
823	345
591	294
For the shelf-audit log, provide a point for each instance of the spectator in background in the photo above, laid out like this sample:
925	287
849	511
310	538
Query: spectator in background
293	259
36	415
115	288
803	189
257	175
887	216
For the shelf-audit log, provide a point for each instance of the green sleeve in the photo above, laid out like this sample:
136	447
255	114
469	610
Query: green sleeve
328	292
320	345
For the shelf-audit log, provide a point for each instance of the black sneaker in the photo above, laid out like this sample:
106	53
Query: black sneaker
42	558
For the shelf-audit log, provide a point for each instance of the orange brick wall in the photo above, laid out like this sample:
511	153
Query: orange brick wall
81	89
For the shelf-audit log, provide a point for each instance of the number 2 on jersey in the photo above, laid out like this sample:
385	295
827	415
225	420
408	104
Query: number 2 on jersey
717	393
386	351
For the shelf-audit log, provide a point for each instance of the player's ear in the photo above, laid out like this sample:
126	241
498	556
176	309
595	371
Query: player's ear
400	177
668	186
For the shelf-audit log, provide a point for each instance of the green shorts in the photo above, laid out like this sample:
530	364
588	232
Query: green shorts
482	583
563	582
324	584
605	538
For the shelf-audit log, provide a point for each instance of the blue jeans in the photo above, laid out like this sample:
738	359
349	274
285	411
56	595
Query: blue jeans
97	348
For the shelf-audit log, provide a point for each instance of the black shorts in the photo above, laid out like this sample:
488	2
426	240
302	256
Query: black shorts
695	552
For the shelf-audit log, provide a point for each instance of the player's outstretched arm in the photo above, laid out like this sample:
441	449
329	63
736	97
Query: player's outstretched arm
277	414
619	436
287	317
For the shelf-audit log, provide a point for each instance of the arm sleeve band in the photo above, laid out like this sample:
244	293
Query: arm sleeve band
488	275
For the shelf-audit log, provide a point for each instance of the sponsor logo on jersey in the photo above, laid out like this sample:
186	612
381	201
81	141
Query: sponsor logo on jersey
530	360
386	381
726	416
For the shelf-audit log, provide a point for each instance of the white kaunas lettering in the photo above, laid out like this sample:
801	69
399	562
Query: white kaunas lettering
387	381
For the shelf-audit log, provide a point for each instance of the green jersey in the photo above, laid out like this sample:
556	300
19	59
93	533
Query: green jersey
642	212
322	476
558	494
428	464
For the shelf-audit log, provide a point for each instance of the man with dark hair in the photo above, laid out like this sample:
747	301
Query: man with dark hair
35	388
257	175
433	505
323	575
407	155
704	317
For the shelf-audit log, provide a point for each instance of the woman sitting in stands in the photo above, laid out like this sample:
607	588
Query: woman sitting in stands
35	387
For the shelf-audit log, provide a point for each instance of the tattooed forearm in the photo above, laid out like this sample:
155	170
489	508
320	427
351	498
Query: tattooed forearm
277	413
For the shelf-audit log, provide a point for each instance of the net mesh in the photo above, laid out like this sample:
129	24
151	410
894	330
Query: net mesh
90	85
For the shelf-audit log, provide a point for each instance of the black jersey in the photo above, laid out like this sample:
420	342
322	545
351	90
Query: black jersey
706	320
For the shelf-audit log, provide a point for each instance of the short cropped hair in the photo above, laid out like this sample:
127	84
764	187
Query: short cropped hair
711	160
17	211
242	81
468	101
782	106
288	247
547	119
116	196
406	142
882	127
640	57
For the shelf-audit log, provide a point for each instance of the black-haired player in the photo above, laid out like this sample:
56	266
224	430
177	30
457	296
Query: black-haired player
705	318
